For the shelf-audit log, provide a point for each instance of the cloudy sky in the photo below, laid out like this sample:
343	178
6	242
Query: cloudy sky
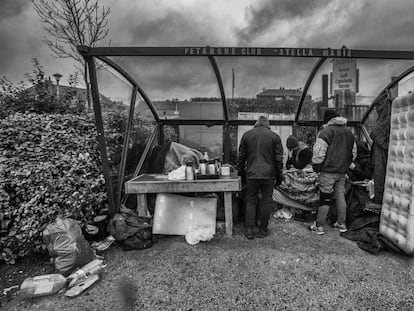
358	24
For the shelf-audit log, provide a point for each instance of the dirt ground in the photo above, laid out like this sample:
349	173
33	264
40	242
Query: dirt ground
289	270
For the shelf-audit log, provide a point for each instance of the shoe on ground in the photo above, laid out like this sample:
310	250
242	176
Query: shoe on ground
315	229
263	233
249	234
340	227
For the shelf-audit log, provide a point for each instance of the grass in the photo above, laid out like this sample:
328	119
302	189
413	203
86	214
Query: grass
291	269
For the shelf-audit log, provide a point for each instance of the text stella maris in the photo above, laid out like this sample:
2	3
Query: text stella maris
297	52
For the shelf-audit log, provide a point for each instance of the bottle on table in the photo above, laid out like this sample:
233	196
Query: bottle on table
203	167
218	164
211	169
189	171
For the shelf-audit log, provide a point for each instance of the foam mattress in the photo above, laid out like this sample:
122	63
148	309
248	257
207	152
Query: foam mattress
397	213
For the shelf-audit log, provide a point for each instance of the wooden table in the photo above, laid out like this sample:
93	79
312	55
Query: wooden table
158	183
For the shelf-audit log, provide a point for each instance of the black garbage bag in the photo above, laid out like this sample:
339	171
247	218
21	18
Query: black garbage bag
140	240
131	230
356	197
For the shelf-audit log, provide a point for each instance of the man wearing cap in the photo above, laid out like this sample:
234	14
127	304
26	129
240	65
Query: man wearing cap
300	154
260	158
333	152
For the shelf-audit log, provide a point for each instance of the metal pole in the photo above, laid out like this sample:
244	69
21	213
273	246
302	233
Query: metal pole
125	148
101	134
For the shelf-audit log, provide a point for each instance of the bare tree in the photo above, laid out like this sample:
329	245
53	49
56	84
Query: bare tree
69	23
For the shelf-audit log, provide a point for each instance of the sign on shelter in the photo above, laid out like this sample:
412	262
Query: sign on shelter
344	76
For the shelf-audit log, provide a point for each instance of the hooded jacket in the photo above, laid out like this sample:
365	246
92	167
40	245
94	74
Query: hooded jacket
301	157
335	147
261	153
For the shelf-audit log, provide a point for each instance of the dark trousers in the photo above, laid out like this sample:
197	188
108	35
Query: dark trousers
380	170
253	187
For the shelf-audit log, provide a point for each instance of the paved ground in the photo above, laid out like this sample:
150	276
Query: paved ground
289	270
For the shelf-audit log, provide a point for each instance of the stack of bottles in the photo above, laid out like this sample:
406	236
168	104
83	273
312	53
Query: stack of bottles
208	168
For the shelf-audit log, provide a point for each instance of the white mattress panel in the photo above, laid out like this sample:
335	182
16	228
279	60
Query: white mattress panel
397	213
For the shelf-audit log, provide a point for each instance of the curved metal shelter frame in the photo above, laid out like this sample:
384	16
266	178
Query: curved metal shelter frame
321	55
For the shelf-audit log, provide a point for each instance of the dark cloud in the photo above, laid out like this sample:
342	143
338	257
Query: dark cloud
368	26
388	28
165	76
260	18
168	77
11	8
355	26
173	28
186	77
314	23
11	43
21	36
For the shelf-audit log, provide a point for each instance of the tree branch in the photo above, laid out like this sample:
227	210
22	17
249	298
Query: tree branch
69	23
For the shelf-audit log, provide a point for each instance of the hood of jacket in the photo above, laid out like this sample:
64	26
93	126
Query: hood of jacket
337	121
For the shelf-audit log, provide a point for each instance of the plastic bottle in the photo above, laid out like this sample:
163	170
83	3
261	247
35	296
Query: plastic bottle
218	164
42	285
211	169
189	172
94	267
203	167
205	156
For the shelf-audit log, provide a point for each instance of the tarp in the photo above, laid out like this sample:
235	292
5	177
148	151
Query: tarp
298	189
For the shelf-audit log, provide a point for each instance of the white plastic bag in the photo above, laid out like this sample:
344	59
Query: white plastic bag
283	213
198	234
177	174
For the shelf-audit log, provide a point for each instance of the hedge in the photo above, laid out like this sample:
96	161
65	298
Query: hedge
49	166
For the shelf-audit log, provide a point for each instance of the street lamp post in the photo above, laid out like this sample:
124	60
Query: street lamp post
57	77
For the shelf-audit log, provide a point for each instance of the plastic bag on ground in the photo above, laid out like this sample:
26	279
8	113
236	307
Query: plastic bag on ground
79	288
133	231
118	228
137	242
127	223
42	285
199	234
94	267
104	244
66	245
284	213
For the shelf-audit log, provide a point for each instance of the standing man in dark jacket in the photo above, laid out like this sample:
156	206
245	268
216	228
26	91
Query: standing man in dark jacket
381	139
261	160
333	153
